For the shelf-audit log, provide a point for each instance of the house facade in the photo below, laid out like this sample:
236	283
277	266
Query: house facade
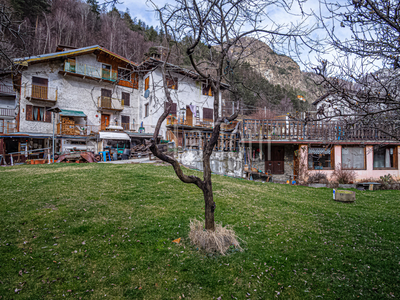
292	150
96	91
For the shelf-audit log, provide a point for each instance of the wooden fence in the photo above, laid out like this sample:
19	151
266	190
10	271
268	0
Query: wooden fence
197	139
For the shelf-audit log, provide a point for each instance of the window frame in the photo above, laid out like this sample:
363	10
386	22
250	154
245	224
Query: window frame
47	115
395	158
146	110
332	158
146	83
206	90
365	158
128	97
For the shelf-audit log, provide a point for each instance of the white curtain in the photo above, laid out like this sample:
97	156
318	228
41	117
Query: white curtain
353	158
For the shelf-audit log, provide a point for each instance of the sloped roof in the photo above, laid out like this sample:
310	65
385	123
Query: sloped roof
25	61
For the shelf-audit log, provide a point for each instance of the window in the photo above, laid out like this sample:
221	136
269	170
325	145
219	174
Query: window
208	114
125	122
385	157
172	82
173	108
353	158
106	72
320	158
207	90
124	74
39	87
146	83
146	110
38	113
126	99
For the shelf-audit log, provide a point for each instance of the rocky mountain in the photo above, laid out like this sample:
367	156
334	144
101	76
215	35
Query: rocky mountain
277	68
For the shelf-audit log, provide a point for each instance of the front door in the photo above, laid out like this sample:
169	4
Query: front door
189	116
105	121
276	164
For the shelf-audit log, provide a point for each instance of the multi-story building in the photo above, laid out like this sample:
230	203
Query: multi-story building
97	91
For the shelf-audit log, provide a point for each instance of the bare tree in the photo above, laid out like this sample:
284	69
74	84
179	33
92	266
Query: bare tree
362	81
222	25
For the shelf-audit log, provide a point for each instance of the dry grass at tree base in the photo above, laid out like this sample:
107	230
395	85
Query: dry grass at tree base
219	240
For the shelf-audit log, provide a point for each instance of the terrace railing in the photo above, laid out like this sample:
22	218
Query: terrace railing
311	131
90	71
8	126
44	93
195	140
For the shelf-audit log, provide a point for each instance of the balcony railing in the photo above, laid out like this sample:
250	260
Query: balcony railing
5	112
7	126
90	71
127	126
77	129
312	131
44	93
197	139
110	103
6	90
173	120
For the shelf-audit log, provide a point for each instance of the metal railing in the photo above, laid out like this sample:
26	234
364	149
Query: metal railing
110	103
312	131
91	71
37	92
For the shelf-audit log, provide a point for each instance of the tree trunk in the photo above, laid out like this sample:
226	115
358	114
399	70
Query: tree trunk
208	194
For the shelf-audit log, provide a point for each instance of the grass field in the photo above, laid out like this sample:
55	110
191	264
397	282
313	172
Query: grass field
91	231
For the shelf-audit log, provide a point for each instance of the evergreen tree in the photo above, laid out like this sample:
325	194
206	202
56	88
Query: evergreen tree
30	9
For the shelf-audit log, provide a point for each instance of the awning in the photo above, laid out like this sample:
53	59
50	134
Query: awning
109	135
72	113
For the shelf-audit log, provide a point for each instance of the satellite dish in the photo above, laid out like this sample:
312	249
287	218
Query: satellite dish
147	93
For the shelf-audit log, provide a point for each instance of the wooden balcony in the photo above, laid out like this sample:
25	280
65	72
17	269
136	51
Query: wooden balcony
7	90
6	112
264	130
108	103
77	129
41	93
8	126
89	72
196	140
173	120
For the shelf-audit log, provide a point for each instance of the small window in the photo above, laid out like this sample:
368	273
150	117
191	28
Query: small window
173	108
208	114
146	83
207	90
126	99
38	113
135	80
353	158
125	122
385	157
124	74
146	110
320	158
172	82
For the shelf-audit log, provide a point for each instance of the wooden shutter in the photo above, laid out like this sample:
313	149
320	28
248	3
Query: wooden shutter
208	113
146	83
47	116
135	79
29	112
126	98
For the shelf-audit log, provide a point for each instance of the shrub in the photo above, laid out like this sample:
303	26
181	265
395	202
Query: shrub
388	182
317	177
343	176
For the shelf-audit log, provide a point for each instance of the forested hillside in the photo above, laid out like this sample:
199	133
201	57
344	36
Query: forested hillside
269	80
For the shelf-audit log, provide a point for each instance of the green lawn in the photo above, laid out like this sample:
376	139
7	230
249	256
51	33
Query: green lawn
94	230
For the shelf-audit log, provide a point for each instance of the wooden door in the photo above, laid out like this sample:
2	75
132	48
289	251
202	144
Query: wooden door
105	121
276	164
189	116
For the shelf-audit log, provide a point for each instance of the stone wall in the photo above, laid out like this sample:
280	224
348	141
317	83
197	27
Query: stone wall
223	163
